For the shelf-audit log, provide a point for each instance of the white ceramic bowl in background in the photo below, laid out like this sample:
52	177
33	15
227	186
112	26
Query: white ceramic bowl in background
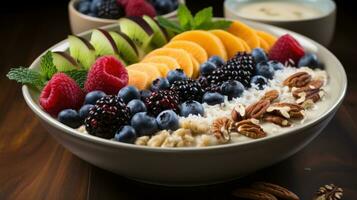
80	22
320	29
195	166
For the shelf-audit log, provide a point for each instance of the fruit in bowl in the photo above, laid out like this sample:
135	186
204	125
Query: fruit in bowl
88	14
183	95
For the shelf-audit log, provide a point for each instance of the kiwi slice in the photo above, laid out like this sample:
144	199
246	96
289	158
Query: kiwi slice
160	37
81	50
64	62
138	30
103	43
127	48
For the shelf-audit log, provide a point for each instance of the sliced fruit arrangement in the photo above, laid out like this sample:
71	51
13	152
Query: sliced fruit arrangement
182	57
118	86
211	43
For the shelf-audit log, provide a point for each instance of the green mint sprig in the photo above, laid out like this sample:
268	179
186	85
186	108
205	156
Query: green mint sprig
47	68
203	20
26	76
80	76
38	79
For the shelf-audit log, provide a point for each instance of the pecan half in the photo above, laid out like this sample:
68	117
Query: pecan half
299	79
238	113
276	190
250	128
312	91
329	192
222	128
248	193
275	119
257	110
271	95
286	110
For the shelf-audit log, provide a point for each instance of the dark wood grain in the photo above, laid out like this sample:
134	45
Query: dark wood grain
34	166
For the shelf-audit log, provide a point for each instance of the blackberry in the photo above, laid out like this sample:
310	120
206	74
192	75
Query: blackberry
206	86
107	116
239	68
188	90
109	9
162	100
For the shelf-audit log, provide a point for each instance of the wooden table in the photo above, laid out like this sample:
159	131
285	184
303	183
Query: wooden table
34	166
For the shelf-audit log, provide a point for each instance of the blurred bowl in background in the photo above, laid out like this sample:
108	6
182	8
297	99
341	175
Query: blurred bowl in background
80	22
319	26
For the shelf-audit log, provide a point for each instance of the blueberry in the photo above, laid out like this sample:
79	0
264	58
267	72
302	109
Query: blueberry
160	84
125	134
93	96
84	7
218	61
207	68
164	6
176	75
232	89
168	120
94	6
213	98
70	118
276	65
145	94
259	82
129	93
309	60
144	124
84	111
264	69
191	107
259	55
136	106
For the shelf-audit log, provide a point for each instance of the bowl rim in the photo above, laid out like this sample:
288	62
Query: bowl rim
114	144
331	11
71	7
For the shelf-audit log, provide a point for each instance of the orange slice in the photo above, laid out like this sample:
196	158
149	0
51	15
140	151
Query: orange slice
149	69
194	49
169	61
182	57
231	42
246	33
270	39
138	79
244	43
211	43
162	67
264	45
196	67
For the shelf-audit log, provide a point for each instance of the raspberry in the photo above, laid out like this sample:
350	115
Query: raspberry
60	93
139	8
286	49
107	74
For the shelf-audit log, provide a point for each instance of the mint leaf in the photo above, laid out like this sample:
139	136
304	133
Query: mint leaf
170	25
185	17
202	17
221	24
80	76
26	76
47	68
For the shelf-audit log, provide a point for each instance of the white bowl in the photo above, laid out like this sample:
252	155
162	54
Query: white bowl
195	166
320	28
80	22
